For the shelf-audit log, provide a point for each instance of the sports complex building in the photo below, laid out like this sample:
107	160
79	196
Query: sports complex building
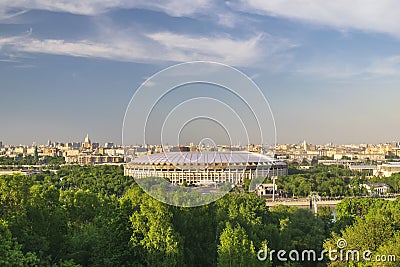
203	168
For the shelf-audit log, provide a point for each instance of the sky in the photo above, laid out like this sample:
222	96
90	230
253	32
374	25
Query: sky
329	69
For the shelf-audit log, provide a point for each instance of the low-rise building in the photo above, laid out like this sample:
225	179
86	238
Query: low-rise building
20	150
50	151
376	188
363	167
266	190
387	169
83	159
305	167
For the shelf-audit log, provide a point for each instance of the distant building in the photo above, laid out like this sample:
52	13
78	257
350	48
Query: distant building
71	153
363	167
376	156
74	145
108	145
20	150
376	188
173	149
339	162
396	152
395	144
50	151
184	148
387	169
11	172
30	151
305	167
87	143
1	144
92	159
101	151
266	190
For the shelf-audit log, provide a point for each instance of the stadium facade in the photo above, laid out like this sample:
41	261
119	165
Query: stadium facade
203	168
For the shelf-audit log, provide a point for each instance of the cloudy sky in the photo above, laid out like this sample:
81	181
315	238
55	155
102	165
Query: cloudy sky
330	69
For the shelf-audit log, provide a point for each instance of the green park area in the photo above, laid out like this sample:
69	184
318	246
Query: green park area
96	216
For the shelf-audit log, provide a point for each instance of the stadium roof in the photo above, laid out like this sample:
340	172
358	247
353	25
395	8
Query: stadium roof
206	157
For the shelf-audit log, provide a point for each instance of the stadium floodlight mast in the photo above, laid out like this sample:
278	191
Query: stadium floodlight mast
314	199
273	187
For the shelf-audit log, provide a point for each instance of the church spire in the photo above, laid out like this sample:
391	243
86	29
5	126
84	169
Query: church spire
87	140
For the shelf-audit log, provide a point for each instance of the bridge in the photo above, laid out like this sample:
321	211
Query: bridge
306	202
302	203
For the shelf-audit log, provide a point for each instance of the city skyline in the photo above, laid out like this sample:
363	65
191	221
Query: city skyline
101	143
329	71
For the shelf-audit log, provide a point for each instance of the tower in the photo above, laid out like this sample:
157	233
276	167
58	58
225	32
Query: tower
87	140
36	154
305	146
87	143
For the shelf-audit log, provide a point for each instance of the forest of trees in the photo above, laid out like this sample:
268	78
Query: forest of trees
17	161
95	216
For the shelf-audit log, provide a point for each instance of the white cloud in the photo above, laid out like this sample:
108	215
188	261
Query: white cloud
6	15
385	67
347	71
227	19
367	15
155	47
222	49
94	7
133	45
208	9
8	60
227	50
80	48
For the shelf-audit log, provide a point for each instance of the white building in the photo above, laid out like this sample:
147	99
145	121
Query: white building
376	188
264	190
387	169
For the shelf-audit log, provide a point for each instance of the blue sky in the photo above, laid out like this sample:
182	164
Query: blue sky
330	70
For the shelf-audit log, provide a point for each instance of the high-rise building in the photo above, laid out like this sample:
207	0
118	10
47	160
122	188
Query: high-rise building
87	143
109	145
305	145
395	144
87	140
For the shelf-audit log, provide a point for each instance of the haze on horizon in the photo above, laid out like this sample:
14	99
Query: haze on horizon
330	71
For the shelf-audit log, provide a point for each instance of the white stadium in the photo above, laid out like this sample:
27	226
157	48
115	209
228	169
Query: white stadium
204	168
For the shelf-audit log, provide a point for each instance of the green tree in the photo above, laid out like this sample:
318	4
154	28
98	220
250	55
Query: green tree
11	252
235	248
375	228
153	234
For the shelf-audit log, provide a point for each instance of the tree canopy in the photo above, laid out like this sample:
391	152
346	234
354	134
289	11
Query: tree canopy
96	216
